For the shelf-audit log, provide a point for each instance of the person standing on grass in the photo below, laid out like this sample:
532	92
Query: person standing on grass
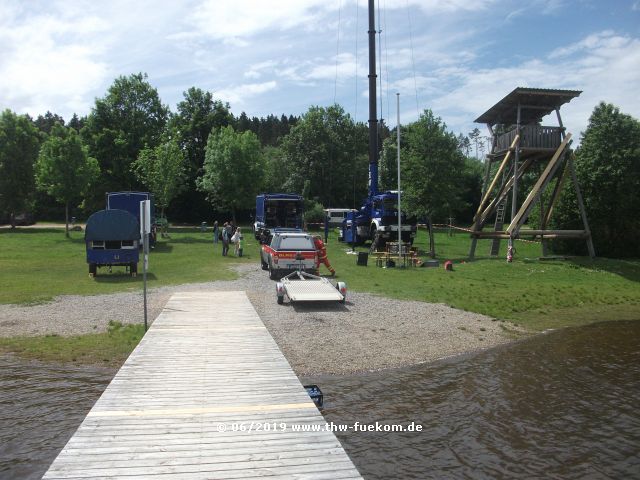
216	231
225	239
237	242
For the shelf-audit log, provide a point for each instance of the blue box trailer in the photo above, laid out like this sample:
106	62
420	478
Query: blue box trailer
130	201
112	238
277	212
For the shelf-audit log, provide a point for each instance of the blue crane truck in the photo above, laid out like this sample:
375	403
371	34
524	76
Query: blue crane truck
112	238
377	219
281	212
130	201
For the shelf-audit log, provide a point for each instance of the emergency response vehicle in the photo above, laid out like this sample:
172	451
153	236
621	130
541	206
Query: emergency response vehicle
289	252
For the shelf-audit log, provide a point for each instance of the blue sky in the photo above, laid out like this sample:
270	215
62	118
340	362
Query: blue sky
456	57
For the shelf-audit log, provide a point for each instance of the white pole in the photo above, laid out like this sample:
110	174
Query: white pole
399	209
145	249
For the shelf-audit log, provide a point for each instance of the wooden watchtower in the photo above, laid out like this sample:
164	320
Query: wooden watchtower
521	144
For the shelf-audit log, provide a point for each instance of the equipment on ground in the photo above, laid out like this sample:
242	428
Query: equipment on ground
316	394
112	238
277	212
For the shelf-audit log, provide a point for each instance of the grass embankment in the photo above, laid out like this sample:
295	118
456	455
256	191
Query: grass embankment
530	292
38	264
108	349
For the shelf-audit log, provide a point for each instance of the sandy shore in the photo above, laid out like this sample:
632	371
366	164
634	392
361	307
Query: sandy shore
368	332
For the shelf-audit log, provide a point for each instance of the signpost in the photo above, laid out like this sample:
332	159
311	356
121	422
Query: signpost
145	228
399	191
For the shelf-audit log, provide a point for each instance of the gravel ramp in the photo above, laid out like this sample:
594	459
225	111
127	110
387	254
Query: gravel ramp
366	333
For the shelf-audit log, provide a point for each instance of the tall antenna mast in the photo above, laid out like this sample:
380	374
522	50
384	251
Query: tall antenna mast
373	114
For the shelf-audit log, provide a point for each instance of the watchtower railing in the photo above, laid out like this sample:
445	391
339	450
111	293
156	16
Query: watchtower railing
531	137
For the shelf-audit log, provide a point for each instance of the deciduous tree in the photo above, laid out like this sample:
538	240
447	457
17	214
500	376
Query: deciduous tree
324	147
19	144
64	168
432	167
129	118
233	170
162	170
197	115
608	170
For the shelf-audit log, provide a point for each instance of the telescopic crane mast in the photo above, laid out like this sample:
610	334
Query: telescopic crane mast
373	114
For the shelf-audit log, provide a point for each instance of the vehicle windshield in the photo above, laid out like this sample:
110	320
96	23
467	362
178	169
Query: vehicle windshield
390	204
296	243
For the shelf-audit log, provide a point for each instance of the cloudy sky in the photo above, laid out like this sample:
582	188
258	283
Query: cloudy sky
456	57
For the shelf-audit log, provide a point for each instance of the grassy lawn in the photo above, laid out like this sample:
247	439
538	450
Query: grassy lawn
532	293
38	264
107	349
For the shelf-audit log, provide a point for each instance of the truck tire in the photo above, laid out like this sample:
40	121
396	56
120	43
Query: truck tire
272	272
280	299
93	269
263	264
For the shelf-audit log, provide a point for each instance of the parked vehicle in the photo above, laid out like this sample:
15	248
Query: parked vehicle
287	253
130	201
277	212
112	238
337	215
377	220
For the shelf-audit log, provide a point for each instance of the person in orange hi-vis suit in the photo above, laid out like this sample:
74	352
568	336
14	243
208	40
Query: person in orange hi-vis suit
322	254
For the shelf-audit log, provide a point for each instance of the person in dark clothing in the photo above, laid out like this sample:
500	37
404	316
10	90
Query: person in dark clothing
226	238
216	232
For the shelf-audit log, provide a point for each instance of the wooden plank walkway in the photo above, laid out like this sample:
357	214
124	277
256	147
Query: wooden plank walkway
206	363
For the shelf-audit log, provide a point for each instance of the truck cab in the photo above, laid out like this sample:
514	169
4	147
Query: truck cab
377	219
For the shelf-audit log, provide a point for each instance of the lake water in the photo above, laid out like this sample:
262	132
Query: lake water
560	405
41	406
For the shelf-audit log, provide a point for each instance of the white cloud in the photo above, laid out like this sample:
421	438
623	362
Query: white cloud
222	19
442	6
604	65
239	94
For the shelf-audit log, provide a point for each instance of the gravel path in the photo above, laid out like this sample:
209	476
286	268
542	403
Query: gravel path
367	333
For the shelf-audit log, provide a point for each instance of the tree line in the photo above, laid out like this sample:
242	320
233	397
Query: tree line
202	162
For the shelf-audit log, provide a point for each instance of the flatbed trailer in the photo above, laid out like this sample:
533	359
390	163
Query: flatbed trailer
301	286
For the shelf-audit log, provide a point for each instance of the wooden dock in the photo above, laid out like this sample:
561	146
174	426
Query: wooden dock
175	409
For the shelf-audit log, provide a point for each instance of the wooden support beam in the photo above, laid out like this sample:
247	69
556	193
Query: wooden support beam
583	213
545	178
502	193
555	195
534	233
502	166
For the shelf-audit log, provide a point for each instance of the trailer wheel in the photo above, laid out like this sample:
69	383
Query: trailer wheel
280	300
342	288
133	269
93	269
263	264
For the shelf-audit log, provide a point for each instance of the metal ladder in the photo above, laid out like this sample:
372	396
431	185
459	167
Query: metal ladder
499	225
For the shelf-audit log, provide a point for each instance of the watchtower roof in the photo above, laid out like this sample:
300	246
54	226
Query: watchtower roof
535	103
